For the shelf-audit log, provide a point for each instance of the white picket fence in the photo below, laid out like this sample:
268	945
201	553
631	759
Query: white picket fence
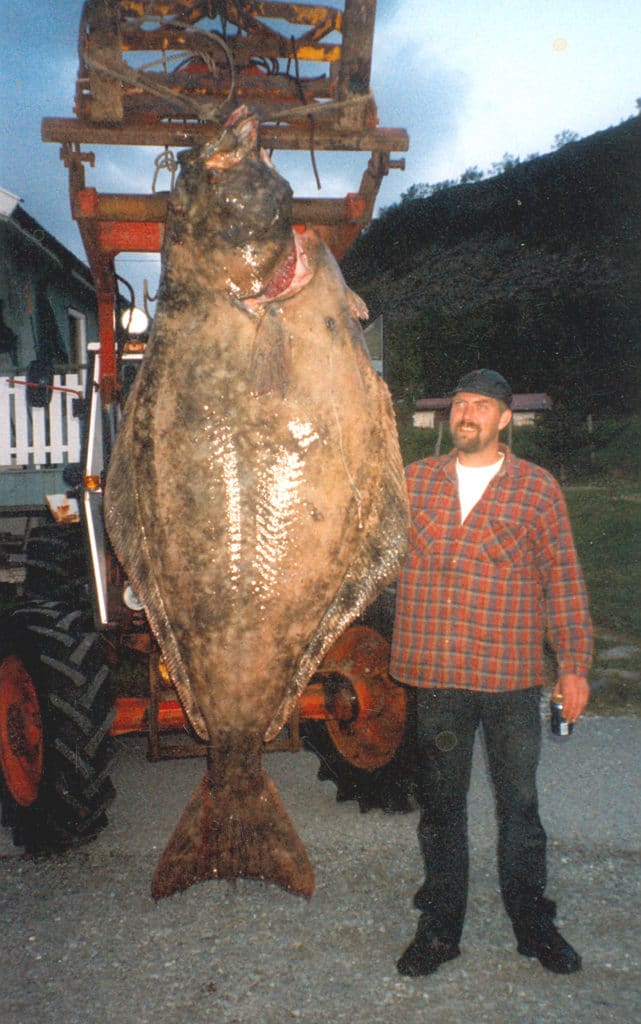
39	437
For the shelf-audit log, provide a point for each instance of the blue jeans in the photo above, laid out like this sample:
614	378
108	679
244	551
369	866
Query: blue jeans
447	720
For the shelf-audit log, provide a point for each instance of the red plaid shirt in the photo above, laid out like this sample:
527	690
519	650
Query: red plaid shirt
476	600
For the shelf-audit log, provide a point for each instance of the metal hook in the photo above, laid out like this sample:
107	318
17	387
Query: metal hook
147	298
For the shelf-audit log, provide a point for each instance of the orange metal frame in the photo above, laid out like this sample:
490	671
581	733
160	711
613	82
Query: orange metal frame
351	691
169	73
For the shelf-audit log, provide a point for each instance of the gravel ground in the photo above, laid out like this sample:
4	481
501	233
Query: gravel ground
83	943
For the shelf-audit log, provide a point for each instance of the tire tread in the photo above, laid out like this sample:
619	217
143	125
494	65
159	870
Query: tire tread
64	657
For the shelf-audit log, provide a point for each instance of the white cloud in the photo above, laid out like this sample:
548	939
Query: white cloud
473	81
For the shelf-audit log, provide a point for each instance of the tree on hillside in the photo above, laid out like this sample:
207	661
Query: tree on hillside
564	137
470	175
508	163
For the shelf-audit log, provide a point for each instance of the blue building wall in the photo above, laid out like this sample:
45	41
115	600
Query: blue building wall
40	283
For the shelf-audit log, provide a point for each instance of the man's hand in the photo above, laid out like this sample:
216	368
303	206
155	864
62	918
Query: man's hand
575	691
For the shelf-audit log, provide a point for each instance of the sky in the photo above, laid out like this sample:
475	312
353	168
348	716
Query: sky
470	80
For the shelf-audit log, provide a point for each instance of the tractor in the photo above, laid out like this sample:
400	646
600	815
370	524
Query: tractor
164	74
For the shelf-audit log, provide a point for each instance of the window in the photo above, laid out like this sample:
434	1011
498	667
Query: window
77	340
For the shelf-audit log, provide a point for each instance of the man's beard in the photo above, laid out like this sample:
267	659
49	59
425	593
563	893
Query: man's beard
467	442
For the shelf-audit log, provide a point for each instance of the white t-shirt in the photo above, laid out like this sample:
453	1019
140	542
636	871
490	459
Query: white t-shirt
472	481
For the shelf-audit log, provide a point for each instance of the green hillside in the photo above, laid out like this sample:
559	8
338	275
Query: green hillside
534	271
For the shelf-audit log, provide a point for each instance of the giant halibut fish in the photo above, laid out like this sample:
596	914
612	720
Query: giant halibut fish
255	494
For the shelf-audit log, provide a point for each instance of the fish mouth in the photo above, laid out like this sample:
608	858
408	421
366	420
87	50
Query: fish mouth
238	140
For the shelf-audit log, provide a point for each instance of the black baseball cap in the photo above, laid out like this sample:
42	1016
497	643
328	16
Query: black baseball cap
485	382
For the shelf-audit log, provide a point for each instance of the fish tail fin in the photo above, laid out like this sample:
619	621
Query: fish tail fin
227	833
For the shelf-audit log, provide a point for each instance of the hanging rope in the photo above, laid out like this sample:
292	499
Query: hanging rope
301	93
165	161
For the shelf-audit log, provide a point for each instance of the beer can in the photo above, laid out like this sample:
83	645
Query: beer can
558	723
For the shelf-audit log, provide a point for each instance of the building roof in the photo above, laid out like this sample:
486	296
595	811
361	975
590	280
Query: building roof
21	221
536	401
433	403
8	202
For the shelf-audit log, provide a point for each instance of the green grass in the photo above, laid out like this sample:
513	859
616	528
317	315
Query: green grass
606	520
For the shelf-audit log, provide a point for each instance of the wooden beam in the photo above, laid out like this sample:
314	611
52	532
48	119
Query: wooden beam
356	50
183	134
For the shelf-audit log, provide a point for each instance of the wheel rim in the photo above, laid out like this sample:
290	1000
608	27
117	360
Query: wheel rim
372	736
21	743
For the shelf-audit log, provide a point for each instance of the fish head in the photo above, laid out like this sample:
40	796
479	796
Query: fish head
237	203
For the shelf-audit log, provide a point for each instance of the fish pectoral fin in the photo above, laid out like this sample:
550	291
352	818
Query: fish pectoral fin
270	368
234	834
356	305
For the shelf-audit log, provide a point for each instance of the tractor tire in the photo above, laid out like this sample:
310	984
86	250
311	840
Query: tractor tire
55	712
56	566
357	774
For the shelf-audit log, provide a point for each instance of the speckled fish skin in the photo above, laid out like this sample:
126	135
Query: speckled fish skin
255	495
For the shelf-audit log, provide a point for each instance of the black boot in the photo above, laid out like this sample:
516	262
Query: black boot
425	954
538	937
